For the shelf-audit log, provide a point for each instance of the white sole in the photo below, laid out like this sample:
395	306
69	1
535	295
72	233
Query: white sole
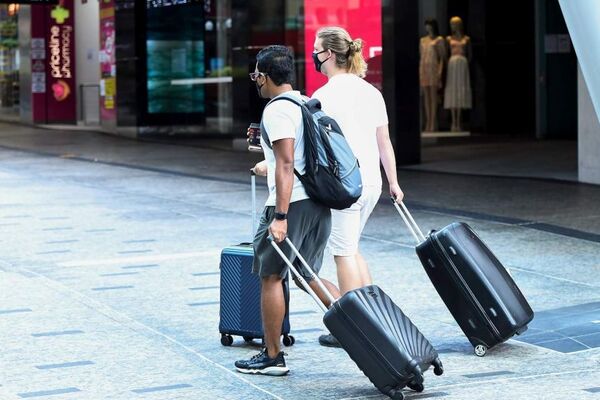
271	371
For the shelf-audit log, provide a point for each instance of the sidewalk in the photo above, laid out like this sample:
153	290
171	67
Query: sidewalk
551	159
109	277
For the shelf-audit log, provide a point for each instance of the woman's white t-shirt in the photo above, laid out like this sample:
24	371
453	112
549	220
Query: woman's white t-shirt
359	109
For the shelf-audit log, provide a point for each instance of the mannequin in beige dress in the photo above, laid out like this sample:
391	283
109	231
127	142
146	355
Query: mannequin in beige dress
432	50
457	94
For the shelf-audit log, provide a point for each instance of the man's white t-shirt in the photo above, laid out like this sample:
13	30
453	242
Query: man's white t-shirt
359	109
282	119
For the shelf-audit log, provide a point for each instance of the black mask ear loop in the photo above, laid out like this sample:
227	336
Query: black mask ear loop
259	87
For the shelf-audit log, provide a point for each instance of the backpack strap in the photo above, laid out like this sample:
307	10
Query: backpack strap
302	105
263	132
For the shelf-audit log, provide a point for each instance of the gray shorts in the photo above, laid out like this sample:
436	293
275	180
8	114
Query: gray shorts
309	225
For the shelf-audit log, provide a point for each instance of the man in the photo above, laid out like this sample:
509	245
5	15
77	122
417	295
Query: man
289	212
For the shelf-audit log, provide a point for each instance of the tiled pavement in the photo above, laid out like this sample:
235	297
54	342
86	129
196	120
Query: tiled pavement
109	278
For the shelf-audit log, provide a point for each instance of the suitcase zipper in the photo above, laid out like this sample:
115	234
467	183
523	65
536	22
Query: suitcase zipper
469	292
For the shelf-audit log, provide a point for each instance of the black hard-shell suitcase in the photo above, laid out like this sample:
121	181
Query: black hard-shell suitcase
240	292
477	289
381	340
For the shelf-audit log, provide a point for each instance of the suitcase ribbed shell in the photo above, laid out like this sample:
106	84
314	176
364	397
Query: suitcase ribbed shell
382	341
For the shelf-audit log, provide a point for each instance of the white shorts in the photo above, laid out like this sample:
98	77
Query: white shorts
347	225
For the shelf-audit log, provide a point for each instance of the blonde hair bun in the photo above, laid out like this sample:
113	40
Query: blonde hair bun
355	46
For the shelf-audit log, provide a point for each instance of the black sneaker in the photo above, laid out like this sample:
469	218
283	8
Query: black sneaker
263	365
329	340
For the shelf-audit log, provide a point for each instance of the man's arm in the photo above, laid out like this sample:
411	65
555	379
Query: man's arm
261	168
284	182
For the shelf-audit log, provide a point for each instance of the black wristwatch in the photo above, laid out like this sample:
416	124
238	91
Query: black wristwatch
280	216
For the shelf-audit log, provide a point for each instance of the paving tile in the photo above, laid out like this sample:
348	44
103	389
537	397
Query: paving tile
16	311
593	340
161	388
179	199
47	393
106	288
58	333
141	266
564	345
65	365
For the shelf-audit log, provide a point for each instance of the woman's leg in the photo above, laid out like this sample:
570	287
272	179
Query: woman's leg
363	268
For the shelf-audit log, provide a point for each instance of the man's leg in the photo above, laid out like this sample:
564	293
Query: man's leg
268	265
272	304
271	360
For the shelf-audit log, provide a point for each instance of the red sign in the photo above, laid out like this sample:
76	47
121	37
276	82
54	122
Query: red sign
54	26
361	18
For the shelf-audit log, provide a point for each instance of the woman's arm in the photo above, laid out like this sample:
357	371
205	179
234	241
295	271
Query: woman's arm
388	160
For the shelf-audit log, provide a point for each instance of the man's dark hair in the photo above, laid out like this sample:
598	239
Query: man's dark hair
432	22
277	62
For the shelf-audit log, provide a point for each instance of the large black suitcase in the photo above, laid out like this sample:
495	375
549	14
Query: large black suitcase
381	340
478	291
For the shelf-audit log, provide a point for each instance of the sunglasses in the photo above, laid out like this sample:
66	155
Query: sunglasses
254	75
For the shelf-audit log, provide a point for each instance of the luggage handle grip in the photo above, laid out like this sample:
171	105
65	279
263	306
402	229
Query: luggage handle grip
409	221
297	274
253	186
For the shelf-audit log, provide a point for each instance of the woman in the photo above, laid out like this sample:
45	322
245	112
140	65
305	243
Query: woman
359	109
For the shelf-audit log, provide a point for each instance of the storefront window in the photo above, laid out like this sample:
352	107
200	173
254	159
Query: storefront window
188	64
199	52
9	59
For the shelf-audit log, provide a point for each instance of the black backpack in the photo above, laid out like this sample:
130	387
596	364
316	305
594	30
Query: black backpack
332	173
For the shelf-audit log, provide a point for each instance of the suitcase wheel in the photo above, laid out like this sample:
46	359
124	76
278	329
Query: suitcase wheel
397	395
226	340
480	350
438	368
417	387
288	340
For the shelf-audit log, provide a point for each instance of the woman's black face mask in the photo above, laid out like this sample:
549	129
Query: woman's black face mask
319	63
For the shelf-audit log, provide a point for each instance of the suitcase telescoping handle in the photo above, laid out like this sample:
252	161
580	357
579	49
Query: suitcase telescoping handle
253	189
299	277
409	221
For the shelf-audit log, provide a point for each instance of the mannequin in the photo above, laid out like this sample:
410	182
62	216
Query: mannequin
457	95
433	52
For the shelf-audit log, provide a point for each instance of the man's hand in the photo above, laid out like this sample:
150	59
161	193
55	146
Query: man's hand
278	230
261	168
396	192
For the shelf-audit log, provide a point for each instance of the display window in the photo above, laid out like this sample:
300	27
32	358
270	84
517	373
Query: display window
9	59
